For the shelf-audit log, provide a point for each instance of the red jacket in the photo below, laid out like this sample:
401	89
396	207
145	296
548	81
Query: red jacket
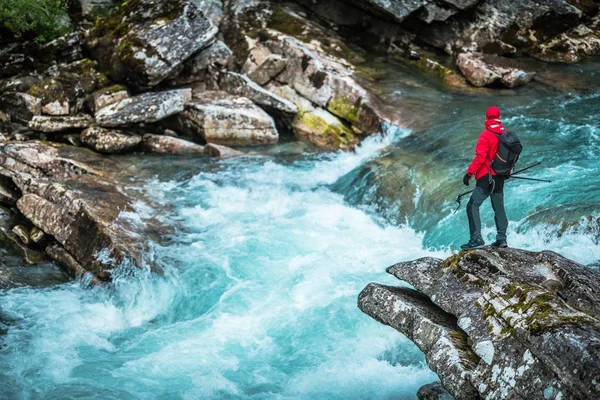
486	149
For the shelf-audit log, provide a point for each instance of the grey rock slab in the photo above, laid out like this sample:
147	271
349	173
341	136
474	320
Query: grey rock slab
147	107
224	119
51	124
170	145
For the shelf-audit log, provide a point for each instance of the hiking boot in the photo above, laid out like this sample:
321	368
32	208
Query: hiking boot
500	243
473	244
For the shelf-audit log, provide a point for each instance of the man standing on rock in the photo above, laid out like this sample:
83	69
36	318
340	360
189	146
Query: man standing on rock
489	184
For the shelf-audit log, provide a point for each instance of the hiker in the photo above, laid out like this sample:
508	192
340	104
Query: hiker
489	183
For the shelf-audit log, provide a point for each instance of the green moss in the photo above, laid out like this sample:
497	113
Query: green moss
343	108
335	135
285	22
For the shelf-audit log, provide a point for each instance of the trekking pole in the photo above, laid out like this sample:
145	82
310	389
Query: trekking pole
530	179
526	168
459	199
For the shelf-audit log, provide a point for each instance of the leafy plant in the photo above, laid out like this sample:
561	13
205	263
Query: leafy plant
42	19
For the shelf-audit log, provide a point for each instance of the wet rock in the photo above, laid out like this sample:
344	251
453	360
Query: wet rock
146	41
22	233
57	124
434	391
21	107
269	68
508	332
73	195
240	85
483	70
224	119
215	150
109	141
106	96
170	145
317	125
147	107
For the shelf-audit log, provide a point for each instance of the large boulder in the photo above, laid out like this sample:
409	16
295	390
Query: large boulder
147	41
108	140
499	323
75	197
147	107
330	85
316	125
224	119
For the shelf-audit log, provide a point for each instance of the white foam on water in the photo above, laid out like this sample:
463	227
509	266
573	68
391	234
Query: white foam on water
259	300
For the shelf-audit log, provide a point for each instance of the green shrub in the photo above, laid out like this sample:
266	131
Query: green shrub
42	19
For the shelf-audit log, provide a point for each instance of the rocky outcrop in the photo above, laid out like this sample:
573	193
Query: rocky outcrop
483	70
109	141
499	323
147	41
73	197
147	107
220	118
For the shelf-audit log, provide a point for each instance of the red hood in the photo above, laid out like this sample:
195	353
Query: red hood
494	125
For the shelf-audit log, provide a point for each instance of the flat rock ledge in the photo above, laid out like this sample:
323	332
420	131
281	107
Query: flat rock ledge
499	323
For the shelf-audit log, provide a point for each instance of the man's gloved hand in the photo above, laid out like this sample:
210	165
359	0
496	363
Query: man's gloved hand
466	179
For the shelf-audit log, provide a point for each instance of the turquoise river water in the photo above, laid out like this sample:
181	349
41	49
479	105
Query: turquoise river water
270	251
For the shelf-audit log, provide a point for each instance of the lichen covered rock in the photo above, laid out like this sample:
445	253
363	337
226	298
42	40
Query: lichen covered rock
147	41
109	141
147	107
528	323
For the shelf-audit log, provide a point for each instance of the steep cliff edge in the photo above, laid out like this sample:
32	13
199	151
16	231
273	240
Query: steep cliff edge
499	323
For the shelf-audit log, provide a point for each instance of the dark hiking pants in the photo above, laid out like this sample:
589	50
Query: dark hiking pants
482	191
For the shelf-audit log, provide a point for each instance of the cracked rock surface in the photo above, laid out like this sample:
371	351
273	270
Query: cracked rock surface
499	323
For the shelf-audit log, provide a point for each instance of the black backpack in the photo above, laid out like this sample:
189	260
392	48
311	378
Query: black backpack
509	149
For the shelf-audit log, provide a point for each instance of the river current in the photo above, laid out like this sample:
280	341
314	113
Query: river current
270	251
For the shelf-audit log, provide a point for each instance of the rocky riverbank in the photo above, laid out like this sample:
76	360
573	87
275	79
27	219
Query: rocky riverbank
194	78
498	323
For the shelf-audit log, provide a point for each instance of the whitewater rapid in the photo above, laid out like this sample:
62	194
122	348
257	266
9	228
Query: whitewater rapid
259	298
